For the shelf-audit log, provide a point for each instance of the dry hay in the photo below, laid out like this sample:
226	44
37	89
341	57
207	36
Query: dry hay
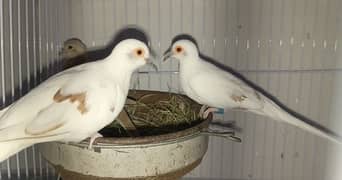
158	113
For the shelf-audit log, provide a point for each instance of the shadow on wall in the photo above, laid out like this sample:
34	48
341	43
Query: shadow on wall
97	54
127	32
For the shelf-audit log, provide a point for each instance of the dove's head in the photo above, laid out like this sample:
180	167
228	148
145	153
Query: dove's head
131	53
72	48
183	47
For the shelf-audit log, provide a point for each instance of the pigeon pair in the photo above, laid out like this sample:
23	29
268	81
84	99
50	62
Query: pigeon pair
74	104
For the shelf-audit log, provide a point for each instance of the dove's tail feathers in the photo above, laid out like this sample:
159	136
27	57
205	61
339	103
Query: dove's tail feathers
282	113
9	148
11	143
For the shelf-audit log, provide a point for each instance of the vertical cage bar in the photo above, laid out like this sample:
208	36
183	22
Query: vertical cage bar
58	36
19	72
27	76
27	45
54	39
93	42
34	161
47	29
26	164
2	55
12	72
40	164
11	49
8	161
34	74
137	84
159	45
19	50
50	34
34	42
47	169
1	60
8	168
40	39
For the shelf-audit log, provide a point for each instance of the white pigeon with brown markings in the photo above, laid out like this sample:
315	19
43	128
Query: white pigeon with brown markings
217	86
74	104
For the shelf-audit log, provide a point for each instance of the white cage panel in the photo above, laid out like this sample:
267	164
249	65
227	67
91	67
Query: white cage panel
291	48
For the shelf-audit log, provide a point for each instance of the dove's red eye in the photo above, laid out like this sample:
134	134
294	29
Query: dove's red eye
139	52
179	49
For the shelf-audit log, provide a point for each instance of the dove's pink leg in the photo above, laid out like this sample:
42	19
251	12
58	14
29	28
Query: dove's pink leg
92	139
208	111
205	111
202	110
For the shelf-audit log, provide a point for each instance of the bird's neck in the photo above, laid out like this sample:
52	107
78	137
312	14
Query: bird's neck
190	65
119	71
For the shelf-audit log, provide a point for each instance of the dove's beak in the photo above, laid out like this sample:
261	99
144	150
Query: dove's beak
153	55
167	54
150	63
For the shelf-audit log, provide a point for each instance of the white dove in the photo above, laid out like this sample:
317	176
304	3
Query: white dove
212	84
74	104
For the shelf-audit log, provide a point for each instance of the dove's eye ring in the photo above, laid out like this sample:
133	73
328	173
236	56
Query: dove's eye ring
69	47
179	49
139	52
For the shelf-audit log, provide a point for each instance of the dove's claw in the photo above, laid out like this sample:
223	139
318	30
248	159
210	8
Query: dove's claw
208	111
202	110
92	139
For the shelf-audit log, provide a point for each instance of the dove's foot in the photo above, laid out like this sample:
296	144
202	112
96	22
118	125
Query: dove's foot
205	111
92	139
201	112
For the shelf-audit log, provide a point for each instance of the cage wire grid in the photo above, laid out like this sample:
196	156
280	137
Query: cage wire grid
292	48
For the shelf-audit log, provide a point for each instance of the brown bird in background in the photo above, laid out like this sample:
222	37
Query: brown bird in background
74	52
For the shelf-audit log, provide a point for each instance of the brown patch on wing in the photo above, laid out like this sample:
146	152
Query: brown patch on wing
238	98
45	131
58	97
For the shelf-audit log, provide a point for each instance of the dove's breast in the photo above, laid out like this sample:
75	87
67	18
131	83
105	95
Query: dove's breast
187	73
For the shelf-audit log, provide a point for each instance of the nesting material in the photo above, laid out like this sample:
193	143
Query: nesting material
156	113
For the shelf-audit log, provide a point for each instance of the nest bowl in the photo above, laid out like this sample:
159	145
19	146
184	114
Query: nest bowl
162	156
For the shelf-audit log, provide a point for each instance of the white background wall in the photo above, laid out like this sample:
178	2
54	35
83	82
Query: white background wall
292	48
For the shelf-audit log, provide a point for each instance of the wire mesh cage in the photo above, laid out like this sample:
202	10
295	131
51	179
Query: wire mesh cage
291	48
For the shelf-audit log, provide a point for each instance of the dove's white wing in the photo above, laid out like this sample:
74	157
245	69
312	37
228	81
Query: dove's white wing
30	104
15	118
220	89
62	108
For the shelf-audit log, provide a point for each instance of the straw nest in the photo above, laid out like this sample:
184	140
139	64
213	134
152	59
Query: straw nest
157	113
